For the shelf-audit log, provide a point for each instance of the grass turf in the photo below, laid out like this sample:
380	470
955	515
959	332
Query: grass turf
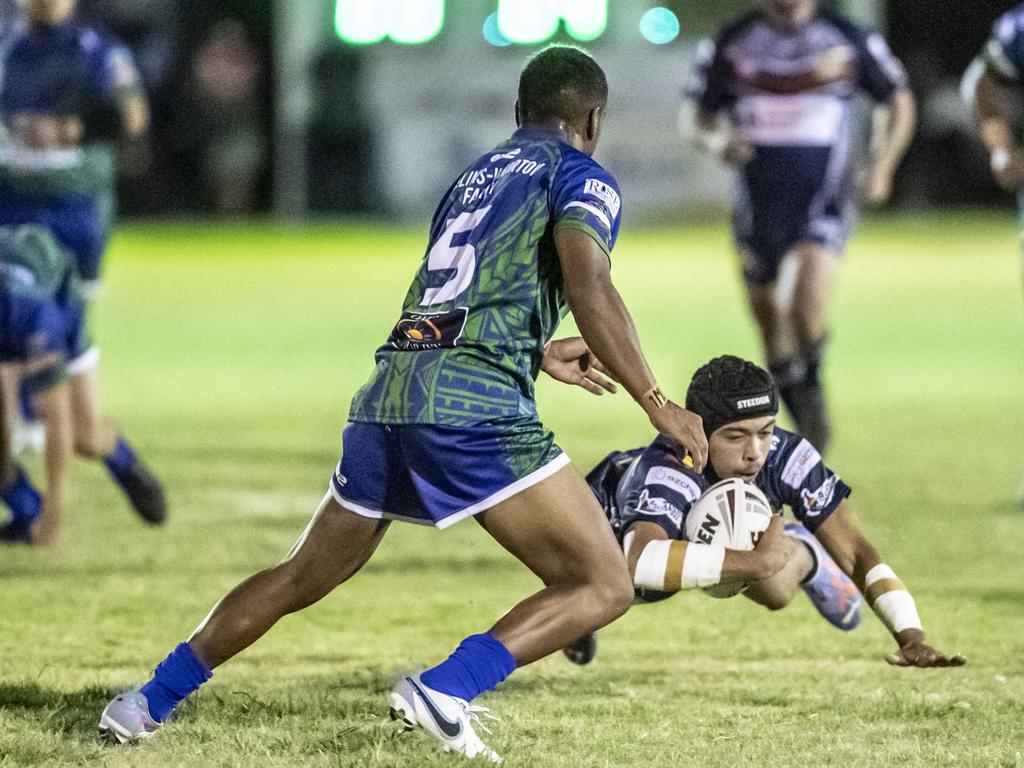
229	357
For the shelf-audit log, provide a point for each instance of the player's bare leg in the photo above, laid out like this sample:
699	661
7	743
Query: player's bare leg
557	529
95	433
335	545
97	437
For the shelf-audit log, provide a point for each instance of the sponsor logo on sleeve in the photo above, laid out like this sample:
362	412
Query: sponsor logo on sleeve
674	479
816	501
801	462
605	193
657	506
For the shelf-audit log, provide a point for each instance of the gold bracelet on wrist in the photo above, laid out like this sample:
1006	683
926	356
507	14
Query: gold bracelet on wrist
653	399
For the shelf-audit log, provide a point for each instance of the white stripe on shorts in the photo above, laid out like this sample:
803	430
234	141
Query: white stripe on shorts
541	473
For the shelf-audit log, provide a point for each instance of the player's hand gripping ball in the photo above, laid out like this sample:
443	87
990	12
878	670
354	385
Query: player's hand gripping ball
732	514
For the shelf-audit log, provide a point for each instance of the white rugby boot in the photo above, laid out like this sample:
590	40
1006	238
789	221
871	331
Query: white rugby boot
126	718
448	718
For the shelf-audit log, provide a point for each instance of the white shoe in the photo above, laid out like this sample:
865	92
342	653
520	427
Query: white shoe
126	718
447	718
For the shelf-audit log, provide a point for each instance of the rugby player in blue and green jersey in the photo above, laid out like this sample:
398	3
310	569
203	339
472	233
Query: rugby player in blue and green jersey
447	426
42	330
67	93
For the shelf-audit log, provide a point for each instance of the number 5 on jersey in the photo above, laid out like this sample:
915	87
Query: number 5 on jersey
454	254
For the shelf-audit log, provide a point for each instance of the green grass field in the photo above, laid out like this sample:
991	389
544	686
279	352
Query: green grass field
229	357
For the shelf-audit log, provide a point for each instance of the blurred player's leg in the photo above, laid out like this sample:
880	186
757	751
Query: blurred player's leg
97	437
811	295
335	545
18	494
813	570
791	314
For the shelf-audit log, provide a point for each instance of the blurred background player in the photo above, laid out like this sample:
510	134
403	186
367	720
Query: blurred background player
647	493
784	77
447	426
993	87
67	93
42	329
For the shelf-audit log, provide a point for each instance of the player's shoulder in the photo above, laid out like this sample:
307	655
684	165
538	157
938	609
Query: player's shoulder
737	27
791	458
1010	25
852	30
661	465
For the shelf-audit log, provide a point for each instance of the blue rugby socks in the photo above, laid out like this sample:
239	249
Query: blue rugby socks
478	664
121	460
174	679
24	501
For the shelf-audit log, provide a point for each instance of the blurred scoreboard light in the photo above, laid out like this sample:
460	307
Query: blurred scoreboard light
414	22
533	21
411	22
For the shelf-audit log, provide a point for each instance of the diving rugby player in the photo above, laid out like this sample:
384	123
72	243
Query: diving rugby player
648	492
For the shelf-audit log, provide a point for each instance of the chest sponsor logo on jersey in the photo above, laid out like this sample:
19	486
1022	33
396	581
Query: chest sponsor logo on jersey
816	501
657	506
419	330
674	479
804	459
604	193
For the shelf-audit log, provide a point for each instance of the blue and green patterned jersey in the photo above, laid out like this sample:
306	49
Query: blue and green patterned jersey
489	293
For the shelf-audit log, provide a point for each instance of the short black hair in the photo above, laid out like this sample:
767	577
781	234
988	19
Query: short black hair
563	82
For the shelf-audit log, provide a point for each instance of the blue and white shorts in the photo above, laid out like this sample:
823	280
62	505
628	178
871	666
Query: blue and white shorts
439	475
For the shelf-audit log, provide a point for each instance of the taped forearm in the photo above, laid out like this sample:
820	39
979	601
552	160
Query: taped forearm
672	566
890	600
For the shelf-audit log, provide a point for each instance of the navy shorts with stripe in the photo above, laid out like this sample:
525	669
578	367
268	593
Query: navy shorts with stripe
439	475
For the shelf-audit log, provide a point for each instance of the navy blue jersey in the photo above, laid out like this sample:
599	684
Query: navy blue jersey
63	70
652	485
60	93
793	87
489	292
1004	53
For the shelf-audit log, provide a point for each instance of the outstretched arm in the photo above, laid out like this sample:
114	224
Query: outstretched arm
608	330
841	535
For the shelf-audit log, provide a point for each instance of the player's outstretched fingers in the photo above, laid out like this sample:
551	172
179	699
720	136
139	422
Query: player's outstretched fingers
594	379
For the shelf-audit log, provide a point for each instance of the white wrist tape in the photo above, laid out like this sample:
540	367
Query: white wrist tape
890	600
713	142
671	566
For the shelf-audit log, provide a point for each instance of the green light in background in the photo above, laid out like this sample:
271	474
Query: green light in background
585	20
411	22
659	26
529	22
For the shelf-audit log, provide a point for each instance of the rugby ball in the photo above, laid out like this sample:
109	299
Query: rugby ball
732	514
